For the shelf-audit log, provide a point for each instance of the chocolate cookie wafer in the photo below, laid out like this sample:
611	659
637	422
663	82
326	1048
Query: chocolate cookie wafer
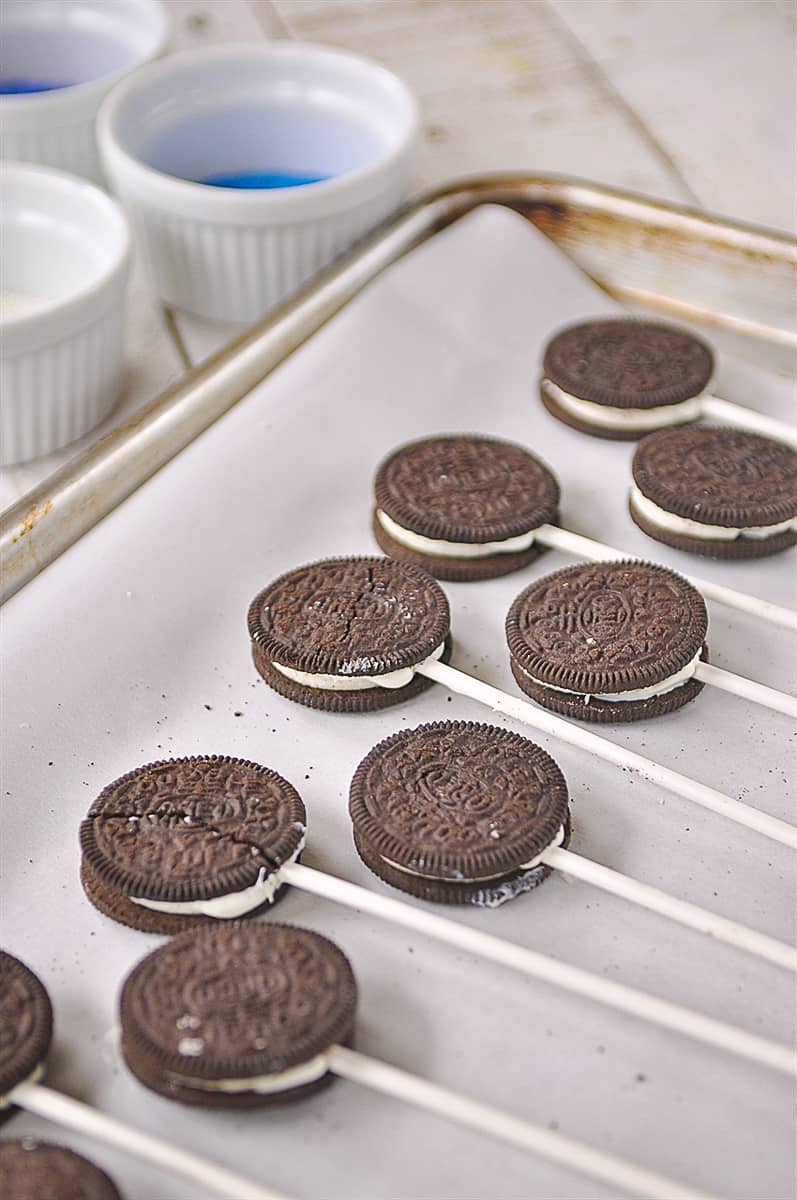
33	1170
189	841
26	1027
609	641
720	493
620	378
458	812
238	1015
346	634
463	507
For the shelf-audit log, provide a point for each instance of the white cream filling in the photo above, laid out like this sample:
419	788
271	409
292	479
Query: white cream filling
36	1074
698	529
280	1081
234	904
623	418
527	866
356	683
644	693
442	549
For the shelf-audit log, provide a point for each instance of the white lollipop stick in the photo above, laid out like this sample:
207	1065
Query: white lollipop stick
723	930
748	689
381	1077
584	547
550	970
747	418
63	1110
672	781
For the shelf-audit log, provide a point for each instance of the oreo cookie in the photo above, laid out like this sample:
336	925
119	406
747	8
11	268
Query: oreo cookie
720	493
620	378
190	841
238	1015
346	634
33	1170
608	642
463	507
26	1027
458	813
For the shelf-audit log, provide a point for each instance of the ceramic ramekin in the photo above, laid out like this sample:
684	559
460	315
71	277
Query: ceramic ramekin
231	254
85	45
65	251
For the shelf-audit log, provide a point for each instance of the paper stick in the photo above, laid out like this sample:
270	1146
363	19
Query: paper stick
574	735
657	901
381	1077
748	689
584	547
63	1110
747	418
550	970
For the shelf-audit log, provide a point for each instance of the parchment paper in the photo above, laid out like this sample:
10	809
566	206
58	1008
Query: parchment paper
133	646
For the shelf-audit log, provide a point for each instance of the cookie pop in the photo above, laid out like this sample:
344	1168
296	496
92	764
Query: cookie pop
245	1016
26	1023
621	378
226	847
189	840
460	813
618	641
336	615
718	493
183	840
467	507
463	508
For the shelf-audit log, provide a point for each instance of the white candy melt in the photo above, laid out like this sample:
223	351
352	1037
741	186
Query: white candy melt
235	904
356	683
527	866
645	693
443	549
280	1081
632	419
698	529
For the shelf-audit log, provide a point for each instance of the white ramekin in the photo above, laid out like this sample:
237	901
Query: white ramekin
88	44
65	250
229	254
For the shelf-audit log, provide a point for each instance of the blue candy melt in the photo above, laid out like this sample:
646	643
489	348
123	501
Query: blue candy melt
253	180
20	87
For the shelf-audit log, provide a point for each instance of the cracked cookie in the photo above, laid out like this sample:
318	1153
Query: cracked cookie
189	841
347	634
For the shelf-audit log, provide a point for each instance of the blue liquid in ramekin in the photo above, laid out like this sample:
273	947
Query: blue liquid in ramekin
24	87
254	180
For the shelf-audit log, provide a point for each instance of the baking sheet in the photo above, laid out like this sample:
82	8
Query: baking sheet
133	646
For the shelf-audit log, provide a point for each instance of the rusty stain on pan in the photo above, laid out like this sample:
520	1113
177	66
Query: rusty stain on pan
31	519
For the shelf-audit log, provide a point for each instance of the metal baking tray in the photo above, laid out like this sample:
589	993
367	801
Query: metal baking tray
133	646
736	281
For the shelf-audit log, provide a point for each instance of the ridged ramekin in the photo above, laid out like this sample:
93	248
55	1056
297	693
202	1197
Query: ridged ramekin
86	44
230	254
64	269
